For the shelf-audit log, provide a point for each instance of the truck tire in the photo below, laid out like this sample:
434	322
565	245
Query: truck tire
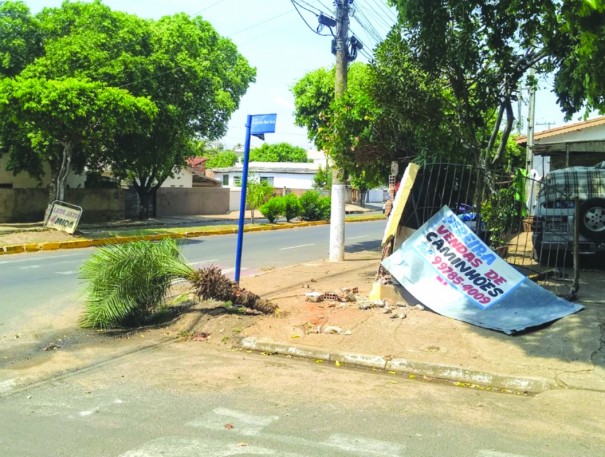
592	219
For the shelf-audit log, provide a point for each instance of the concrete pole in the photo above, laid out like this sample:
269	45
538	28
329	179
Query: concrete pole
337	211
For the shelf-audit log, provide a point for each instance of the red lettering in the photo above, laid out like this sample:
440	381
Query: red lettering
498	280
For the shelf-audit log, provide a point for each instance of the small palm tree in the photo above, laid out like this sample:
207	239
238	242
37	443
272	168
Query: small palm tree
128	283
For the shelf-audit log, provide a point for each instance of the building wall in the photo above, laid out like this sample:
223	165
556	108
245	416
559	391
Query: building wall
183	178
190	202
102	205
280	180
25	181
29	205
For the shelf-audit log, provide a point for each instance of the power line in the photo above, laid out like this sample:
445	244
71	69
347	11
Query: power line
261	23
296	6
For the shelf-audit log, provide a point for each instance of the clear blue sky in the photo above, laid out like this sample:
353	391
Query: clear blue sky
276	40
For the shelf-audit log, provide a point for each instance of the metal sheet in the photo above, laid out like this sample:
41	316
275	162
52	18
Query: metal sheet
450	270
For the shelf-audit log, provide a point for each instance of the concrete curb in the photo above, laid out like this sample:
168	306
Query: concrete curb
458	376
86	243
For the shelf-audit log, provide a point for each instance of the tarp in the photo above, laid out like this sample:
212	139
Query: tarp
452	271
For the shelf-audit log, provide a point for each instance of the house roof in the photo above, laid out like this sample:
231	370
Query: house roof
564	130
196	161
272	167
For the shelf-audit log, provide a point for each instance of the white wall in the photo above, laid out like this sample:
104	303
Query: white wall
25	181
183	178
280	180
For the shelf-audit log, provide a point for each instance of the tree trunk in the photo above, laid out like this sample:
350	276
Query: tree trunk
59	173
144	198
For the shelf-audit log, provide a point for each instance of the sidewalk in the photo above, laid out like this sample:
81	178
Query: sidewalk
408	340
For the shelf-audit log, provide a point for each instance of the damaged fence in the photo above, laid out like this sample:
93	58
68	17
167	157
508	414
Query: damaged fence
539	228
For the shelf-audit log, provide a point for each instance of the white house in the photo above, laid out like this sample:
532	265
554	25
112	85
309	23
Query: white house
578	143
285	176
24	181
280	175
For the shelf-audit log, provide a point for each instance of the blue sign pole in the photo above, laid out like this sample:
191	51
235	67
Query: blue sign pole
242	202
257	125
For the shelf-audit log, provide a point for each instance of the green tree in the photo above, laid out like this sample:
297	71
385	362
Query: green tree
20	38
322	179
193	76
58	116
222	159
579	49
197	79
258	192
344	128
483	50
280	152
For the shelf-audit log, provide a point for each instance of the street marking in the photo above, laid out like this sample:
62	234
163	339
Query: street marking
488	453
7	386
30	267
37	259
296	247
356	237
66	273
90	412
364	446
186	447
245	424
198	262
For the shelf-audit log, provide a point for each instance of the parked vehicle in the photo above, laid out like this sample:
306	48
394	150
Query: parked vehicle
553	223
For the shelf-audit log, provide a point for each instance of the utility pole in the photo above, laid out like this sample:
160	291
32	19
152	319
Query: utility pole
531	118
337	211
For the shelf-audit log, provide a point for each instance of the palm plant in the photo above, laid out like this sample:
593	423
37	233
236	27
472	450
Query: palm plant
127	283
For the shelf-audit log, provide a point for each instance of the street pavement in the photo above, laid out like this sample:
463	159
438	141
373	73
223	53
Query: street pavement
414	342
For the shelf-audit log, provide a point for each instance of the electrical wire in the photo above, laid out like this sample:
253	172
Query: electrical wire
296	6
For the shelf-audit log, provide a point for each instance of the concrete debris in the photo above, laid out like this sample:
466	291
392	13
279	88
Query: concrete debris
332	329
419	307
308	328
364	303
348	332
398	316
387	310
344	295
314	296
401	304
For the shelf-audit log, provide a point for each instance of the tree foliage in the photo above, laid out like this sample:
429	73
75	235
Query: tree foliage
322	179
57	116
280	152
194	77
343	128
126	284
579	82
222	159
258	192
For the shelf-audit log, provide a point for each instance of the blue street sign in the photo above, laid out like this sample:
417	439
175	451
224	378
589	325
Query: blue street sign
263	123
257	125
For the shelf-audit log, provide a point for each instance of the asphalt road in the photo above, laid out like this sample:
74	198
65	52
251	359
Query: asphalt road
190	400
40	288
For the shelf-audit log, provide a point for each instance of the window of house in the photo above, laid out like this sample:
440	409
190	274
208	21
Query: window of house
6	185
237	180
225	180
267	179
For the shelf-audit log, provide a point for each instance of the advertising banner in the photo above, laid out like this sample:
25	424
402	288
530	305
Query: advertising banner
448	268
64	217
